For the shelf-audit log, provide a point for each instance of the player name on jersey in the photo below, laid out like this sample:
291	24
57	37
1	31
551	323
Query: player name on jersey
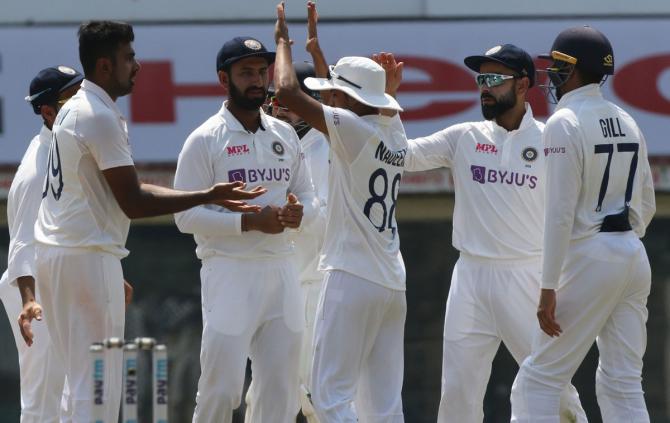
609	130
393	158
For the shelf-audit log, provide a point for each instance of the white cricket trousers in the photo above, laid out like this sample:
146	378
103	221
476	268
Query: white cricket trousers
311	291
42	375
358	351
83	300
250	308
490	300
602	296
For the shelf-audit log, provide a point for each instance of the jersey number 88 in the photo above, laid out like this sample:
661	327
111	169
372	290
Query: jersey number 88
380	198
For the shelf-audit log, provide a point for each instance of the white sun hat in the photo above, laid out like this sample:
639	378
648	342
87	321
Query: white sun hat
359	77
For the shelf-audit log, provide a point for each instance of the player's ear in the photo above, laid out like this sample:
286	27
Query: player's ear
48	115
224	79
523	85
104	66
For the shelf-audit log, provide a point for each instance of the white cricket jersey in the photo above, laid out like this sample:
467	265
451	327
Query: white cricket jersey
596	165
367	162
498	184
23	202
222	150
309	240
78	207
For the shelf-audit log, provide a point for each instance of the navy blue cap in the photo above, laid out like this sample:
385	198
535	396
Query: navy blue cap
507	55
590	49
46	87
240	48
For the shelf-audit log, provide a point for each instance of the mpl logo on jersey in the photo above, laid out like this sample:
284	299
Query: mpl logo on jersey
260	175
237	150
483	175
486	148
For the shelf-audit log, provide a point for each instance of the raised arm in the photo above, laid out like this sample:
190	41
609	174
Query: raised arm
286	84
314	48
393	71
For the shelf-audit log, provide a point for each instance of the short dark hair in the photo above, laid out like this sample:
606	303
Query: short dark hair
101	39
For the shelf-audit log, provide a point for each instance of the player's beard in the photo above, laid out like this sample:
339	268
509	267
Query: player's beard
241	99
500	105
124	85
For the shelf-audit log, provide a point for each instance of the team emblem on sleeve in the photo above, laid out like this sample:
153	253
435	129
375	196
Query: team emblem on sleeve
278	148
529	154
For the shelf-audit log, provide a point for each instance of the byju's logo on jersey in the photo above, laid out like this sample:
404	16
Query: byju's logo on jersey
478	174
486	148
554	150
260	175
237	175
493	176
237	150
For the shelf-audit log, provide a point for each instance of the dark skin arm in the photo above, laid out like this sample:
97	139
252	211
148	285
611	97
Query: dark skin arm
127	292
31	309
286	84
273	219
314	49
290	215
393	72
546	313
266	221
145	200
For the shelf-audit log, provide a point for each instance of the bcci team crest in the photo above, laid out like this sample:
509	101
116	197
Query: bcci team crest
66	70
493	50
278	148
252	44
529	154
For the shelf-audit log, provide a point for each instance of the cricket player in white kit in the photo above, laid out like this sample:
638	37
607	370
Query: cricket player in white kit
309	240
596	275
498	171
251	300
90	192
42	375
358	356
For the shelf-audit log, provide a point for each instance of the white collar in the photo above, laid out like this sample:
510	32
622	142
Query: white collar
45	135
234	124
591	90
98	91
527	121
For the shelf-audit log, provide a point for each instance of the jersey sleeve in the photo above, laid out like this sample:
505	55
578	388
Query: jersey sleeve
108	142
318	167
563	186
433	151
301	185
23	207
195	172
347	132
648	197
